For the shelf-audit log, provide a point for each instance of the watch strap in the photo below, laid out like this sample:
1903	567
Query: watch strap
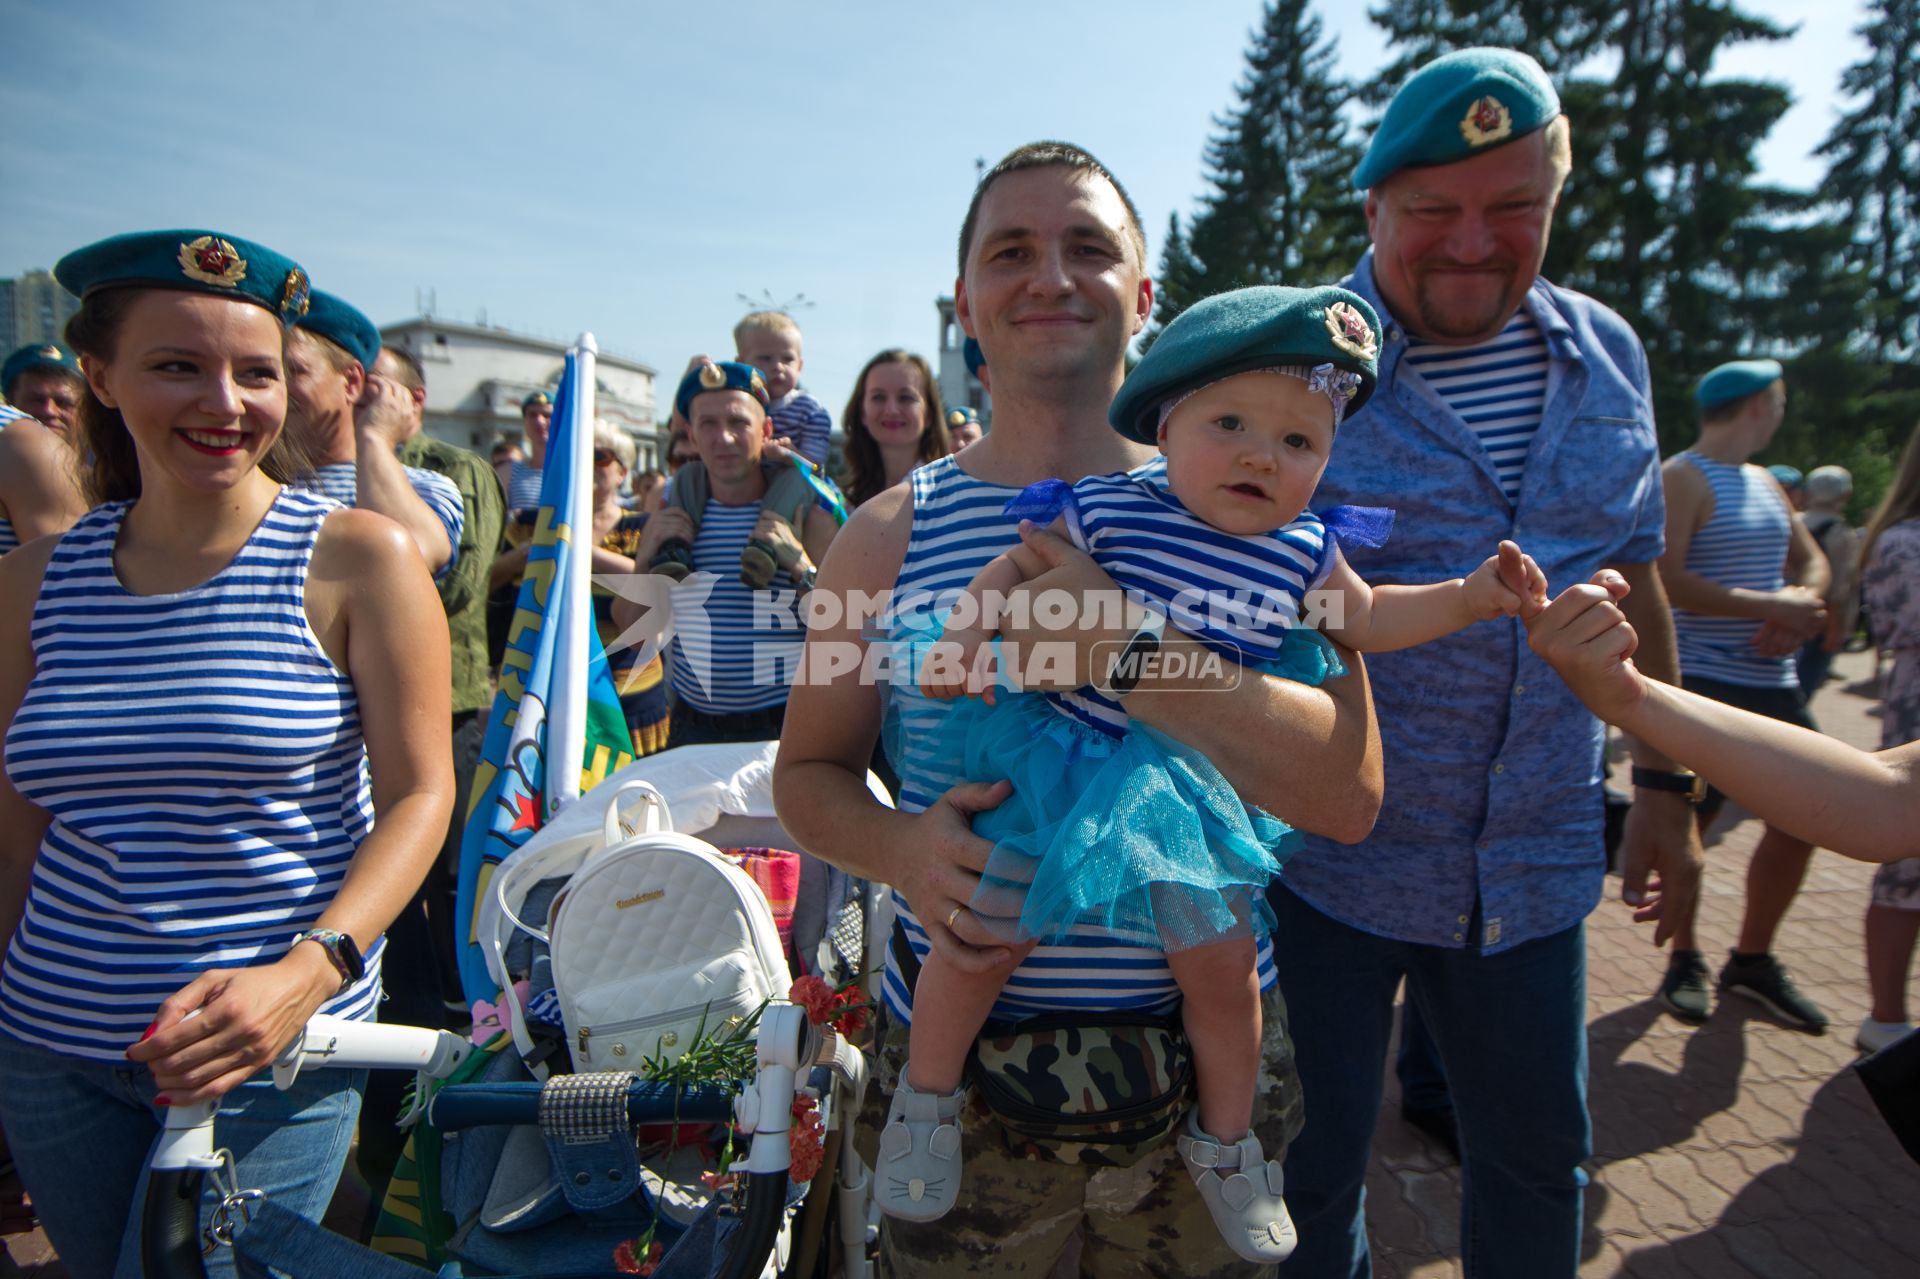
1123	676
1679	782
341	952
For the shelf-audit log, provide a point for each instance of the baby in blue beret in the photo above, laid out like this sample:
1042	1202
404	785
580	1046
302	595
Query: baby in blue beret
1113	824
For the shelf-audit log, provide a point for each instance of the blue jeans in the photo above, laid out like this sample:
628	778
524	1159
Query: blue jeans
1511	1033
1423	1084
82	1132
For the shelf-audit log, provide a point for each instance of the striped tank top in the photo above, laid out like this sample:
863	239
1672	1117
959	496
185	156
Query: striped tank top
8	538
1743	544
734	649
201	758
958	526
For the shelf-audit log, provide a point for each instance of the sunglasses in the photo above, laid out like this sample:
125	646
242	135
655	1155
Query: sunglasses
602	457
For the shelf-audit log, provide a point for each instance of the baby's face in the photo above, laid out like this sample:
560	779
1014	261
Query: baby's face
777	355
1245	454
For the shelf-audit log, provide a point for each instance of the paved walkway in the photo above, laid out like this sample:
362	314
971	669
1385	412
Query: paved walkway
1738	1148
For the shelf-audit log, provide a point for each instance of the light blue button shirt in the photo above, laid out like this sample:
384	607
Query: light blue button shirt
1492	765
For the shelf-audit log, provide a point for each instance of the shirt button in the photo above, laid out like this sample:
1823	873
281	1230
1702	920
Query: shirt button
1486	843
1393	335
1519	689
1499	769
1463	919
1459	937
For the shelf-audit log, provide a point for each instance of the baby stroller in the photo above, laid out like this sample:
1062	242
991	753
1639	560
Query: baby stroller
536	1166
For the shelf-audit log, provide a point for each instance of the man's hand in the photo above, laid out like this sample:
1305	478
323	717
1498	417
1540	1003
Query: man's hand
1794	616
776	532
939	870
383	416
1660	861
662	527
1057	652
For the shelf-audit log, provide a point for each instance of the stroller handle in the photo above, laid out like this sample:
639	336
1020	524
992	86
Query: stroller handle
170	1242
518	1102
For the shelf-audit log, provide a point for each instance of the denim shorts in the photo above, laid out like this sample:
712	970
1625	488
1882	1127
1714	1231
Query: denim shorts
82	1131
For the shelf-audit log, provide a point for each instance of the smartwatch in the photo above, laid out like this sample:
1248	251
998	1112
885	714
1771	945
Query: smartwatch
1124	675
1690	784
340	949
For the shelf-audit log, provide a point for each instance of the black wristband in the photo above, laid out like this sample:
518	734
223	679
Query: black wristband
1692	785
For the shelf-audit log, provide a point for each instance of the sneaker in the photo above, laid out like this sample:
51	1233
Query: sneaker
1875	1035
1763	979
674	559
758	564
1683	991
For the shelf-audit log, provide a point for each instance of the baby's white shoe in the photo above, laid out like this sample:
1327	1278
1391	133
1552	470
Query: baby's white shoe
1242	1189
917	1175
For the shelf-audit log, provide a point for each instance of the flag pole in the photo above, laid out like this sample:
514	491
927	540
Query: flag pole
567	718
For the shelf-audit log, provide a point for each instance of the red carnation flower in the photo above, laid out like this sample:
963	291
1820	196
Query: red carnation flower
816	996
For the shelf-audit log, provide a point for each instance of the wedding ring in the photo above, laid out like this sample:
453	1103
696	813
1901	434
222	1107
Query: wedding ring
953	915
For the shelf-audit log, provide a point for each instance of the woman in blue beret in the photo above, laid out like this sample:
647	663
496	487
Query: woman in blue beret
209	687
1113	824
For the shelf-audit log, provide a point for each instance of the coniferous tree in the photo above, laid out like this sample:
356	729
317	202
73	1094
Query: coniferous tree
1873	174
1280	208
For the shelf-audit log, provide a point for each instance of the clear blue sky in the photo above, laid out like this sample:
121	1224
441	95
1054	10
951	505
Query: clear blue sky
631	168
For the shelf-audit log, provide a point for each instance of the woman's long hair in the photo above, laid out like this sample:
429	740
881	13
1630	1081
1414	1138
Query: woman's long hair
866	470
1902	501
110	468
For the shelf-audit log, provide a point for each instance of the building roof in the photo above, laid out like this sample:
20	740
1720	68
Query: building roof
506	337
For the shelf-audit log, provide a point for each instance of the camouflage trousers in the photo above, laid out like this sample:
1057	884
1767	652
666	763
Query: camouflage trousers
1016	1215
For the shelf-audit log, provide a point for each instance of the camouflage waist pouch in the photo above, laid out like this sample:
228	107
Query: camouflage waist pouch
1105	1090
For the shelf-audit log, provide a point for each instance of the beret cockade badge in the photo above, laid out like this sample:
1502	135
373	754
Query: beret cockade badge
1351	332
296	295
1487	120
212	260
712	376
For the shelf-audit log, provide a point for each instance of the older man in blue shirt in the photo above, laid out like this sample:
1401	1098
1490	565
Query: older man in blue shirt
1507	408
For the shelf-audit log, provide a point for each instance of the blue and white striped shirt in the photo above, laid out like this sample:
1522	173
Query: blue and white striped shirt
1742	545
201	758
1498	388
958	526
341	482
523	487
806	422
734	649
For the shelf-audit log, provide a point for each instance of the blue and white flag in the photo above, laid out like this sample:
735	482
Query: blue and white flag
555	692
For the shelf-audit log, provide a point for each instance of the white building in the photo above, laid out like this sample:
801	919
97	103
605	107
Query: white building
957	386
477	376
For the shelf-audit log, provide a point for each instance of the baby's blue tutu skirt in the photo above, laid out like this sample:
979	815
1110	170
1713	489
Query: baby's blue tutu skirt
1136	835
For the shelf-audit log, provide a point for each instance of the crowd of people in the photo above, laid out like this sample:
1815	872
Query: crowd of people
252	617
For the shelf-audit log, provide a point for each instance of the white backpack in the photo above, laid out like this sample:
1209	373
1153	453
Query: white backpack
655	938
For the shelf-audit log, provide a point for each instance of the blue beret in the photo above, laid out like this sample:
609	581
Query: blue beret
976	358
198	261
1736	381
536	399
1789	476
344	326
1257	328
962	416
1458	105
726	375
36	355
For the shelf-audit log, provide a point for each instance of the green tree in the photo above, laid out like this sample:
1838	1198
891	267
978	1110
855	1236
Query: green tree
1280	207
1874	175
